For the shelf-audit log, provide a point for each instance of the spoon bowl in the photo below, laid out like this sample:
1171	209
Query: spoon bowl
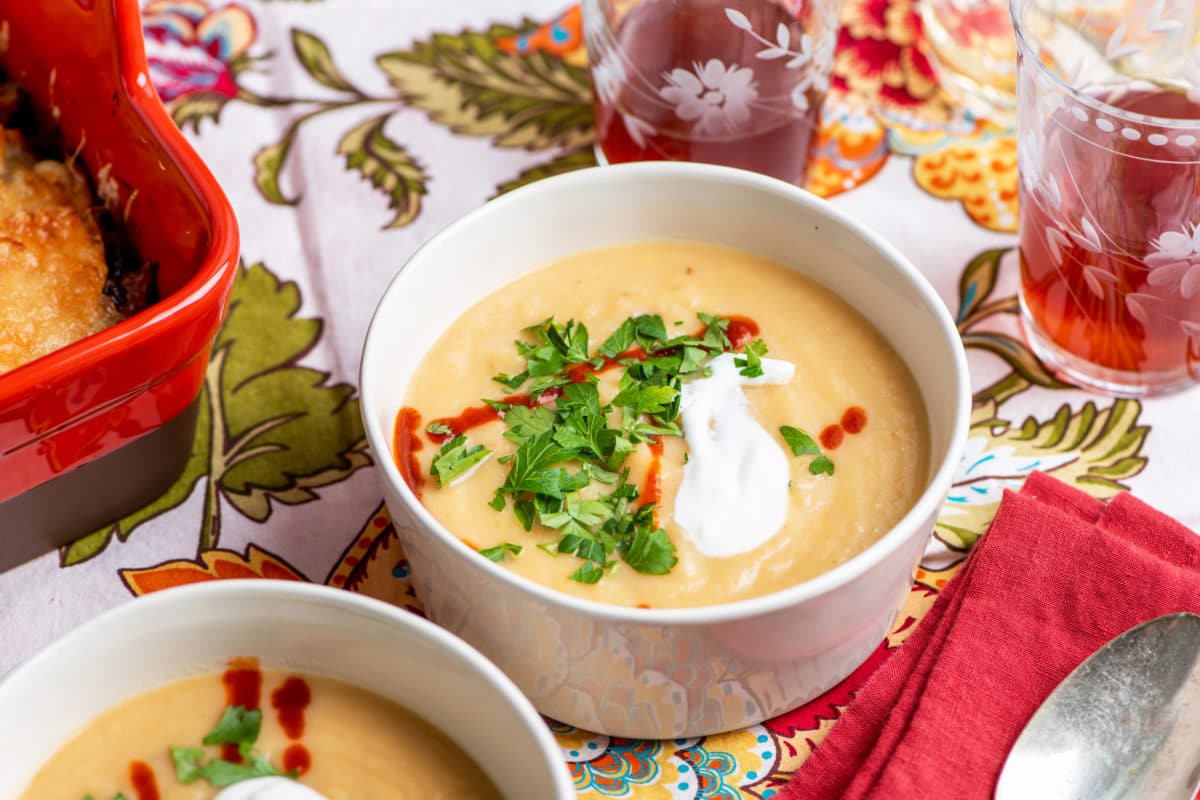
1124	724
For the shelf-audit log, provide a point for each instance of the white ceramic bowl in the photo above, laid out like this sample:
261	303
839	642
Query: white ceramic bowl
652	673
314	629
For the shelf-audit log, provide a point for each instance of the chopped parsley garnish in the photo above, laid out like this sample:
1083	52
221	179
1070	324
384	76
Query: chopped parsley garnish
497	553
751	364
439	429
117	796
801	444
820	465
590	572
455	459
566	473
511	381
238	726
649	552
190	767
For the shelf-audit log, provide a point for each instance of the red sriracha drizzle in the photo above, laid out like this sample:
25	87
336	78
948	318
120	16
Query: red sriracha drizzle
854	419
289	701
243	687
145	785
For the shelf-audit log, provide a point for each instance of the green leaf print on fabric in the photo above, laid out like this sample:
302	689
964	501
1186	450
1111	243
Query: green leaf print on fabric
314	56
269	430
1095	448
562	163
975	288
467	83
1017	354
268	163
977	283
388	166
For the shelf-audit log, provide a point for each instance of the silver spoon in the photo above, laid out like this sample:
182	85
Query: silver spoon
1124	724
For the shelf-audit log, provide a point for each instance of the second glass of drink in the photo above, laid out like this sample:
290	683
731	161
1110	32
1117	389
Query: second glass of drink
734	82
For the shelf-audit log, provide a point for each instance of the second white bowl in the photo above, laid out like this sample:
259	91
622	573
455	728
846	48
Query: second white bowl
180	632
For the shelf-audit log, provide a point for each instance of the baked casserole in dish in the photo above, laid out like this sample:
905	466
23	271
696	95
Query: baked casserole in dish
101	360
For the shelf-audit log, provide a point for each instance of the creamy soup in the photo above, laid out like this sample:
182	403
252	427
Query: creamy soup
773	432
342	742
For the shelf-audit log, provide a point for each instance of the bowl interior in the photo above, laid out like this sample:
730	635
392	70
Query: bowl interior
306	628
630	203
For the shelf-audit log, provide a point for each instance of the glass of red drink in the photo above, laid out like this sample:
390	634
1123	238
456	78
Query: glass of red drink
734	82
1109	158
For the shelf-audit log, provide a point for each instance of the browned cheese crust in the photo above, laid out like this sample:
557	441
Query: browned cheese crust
52	266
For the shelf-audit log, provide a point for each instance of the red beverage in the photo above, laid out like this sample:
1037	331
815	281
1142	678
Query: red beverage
1110	255
734	82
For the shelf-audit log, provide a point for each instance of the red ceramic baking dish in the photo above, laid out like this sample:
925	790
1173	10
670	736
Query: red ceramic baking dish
104	425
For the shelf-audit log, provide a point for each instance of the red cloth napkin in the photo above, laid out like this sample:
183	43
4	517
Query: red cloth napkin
1056	576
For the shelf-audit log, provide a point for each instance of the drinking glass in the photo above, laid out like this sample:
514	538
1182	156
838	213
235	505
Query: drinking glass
1109	160
973	53
734	82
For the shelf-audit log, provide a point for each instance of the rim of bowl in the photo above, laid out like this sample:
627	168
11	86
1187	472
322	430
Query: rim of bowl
649	172
1016	9
253	588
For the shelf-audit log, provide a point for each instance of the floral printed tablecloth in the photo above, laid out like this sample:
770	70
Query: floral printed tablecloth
347	132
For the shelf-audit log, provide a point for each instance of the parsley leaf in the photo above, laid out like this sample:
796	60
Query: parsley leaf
223	773
622	448
497	553
529	467
589	572
190	767
644	399
237	725
541	359
545	383
455	460
820	465
714	332
800	442
598	473
525	512
439	429
692	359
571	340
587	434
751	364
187	763
649	330
650	552
620	341
587	513
511	381
584	395
585	547
525	423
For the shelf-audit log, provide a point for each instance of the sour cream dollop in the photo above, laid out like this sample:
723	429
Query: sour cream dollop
734	493
273	788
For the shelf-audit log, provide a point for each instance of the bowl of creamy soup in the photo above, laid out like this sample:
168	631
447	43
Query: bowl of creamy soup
265	690
664	441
